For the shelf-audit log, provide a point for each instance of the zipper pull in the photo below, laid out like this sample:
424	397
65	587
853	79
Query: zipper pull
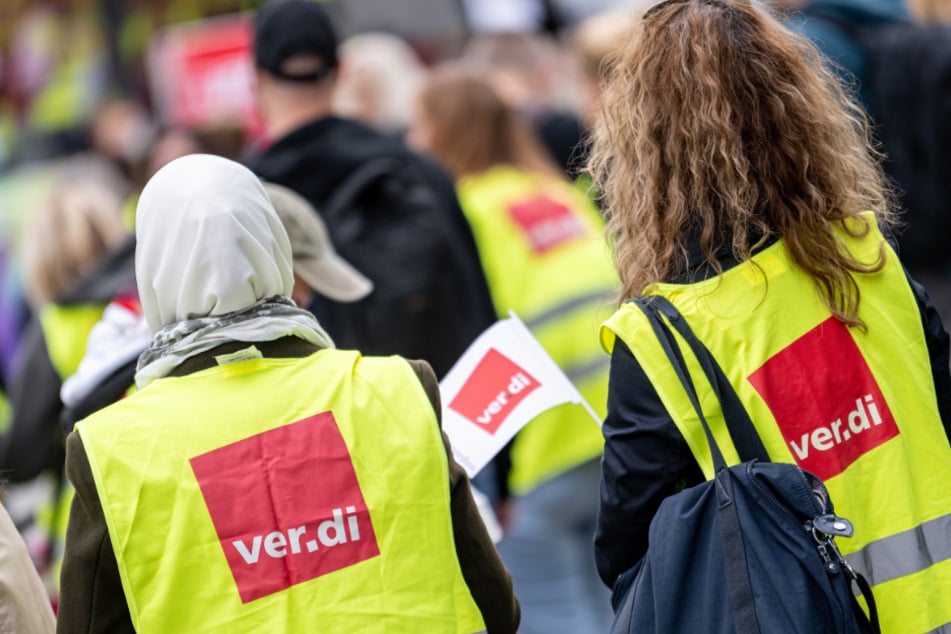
829	562
831	524
824	529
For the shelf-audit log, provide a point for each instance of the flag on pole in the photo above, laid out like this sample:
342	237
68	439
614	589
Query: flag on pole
503	381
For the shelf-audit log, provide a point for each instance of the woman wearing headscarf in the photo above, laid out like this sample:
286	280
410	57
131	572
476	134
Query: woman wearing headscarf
259	479
741	187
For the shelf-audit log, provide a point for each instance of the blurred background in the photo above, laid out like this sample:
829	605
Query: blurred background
103	87
97	95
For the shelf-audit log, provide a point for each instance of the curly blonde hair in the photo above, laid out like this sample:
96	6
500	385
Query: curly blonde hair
719	124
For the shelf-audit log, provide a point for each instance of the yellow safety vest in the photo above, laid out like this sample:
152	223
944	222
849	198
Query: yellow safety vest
541	247
68	96
281	495
66	329
872	431
4	413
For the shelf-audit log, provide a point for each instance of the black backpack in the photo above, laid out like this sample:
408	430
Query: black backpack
751	551
906	84
390	223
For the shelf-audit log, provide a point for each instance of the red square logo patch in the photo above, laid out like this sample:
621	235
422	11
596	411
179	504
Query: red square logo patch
826	401
546	223
286	505
492	391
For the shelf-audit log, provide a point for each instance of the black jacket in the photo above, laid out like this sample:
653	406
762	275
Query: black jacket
646	458
315	160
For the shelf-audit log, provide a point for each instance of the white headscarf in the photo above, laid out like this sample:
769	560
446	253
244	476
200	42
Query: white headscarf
213	264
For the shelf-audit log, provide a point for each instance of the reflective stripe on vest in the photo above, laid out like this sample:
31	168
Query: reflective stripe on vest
273	494
906	553
541	247
66	329
872	433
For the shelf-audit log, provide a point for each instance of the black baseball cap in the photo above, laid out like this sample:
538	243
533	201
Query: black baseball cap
285	28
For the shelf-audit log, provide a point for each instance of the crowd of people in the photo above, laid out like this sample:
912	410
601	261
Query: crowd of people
220	406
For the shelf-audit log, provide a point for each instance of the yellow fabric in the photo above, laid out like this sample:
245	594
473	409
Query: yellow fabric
68	97
895	486
128	212
4	413
533	284
173	567
66	329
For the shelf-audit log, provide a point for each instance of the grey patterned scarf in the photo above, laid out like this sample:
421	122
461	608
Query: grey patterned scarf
267	320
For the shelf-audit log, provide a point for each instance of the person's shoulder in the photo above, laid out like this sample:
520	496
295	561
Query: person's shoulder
423	371
311	134
429	168
25	606
112	273
395	363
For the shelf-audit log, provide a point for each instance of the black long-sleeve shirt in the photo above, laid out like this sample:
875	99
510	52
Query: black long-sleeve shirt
646	458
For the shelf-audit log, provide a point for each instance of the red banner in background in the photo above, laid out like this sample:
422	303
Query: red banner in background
202	74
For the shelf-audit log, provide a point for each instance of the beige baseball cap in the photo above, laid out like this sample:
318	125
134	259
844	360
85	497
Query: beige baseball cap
315	260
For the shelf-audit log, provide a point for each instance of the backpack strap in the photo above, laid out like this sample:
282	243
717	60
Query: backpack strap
746	440
672	350
358	180
749	446
731	533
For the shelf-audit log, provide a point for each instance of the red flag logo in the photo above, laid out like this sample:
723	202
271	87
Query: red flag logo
492	391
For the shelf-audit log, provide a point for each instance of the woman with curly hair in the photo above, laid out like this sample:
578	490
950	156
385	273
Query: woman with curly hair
740	185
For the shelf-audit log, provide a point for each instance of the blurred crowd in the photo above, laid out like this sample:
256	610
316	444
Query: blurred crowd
87	120
79	94
62	61
91	108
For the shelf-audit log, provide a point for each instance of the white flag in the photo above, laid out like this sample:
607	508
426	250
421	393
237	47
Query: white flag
503	381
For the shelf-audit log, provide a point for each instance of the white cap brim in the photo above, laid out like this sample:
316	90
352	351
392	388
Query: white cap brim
334	278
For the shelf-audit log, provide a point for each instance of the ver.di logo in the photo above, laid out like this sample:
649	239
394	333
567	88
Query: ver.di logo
492	391
546	223
825	400
301	515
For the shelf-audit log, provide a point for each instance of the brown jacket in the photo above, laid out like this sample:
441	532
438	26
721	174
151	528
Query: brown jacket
92	598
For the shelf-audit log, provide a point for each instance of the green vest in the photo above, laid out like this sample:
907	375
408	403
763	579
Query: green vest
872	432
541	246
281	495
